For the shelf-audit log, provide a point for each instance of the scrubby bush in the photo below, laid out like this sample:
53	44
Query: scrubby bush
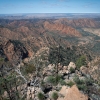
72	70
78	81
70	83
51	80
1	59
81	61
62	82
41	96
58	78
81	84
54	80
89	81
82	87
42	85
30	68
54	95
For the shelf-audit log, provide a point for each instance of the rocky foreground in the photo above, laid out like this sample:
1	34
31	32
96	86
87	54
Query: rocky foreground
69	83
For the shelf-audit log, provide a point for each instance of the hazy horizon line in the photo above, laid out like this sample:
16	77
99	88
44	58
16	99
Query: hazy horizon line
48	13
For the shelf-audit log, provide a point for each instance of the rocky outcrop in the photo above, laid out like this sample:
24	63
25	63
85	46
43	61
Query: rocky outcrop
72	93
63	90
94	69
84	69
71	65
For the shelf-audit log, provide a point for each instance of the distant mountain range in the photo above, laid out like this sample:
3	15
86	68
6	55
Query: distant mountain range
49	15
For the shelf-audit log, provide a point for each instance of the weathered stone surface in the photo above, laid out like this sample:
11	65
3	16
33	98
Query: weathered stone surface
71	94
63	90
74	94
65	67
51	66
71	64
84	69
61	98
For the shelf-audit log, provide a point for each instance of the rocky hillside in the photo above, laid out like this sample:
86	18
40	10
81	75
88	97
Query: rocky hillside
37	33
61	29
79	22
93	30
13	51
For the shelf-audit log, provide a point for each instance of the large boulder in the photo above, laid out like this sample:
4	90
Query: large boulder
71	65
63	90
51	66
84	69
71	94
74	94
65	67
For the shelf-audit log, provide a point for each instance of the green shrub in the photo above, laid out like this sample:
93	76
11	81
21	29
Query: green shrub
62	82
30	68
41	96
81	84
42	85
78	81
58	78
1	59
70	83
54	80
51	80
81	61
89	81
72	70
54	95
82	87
